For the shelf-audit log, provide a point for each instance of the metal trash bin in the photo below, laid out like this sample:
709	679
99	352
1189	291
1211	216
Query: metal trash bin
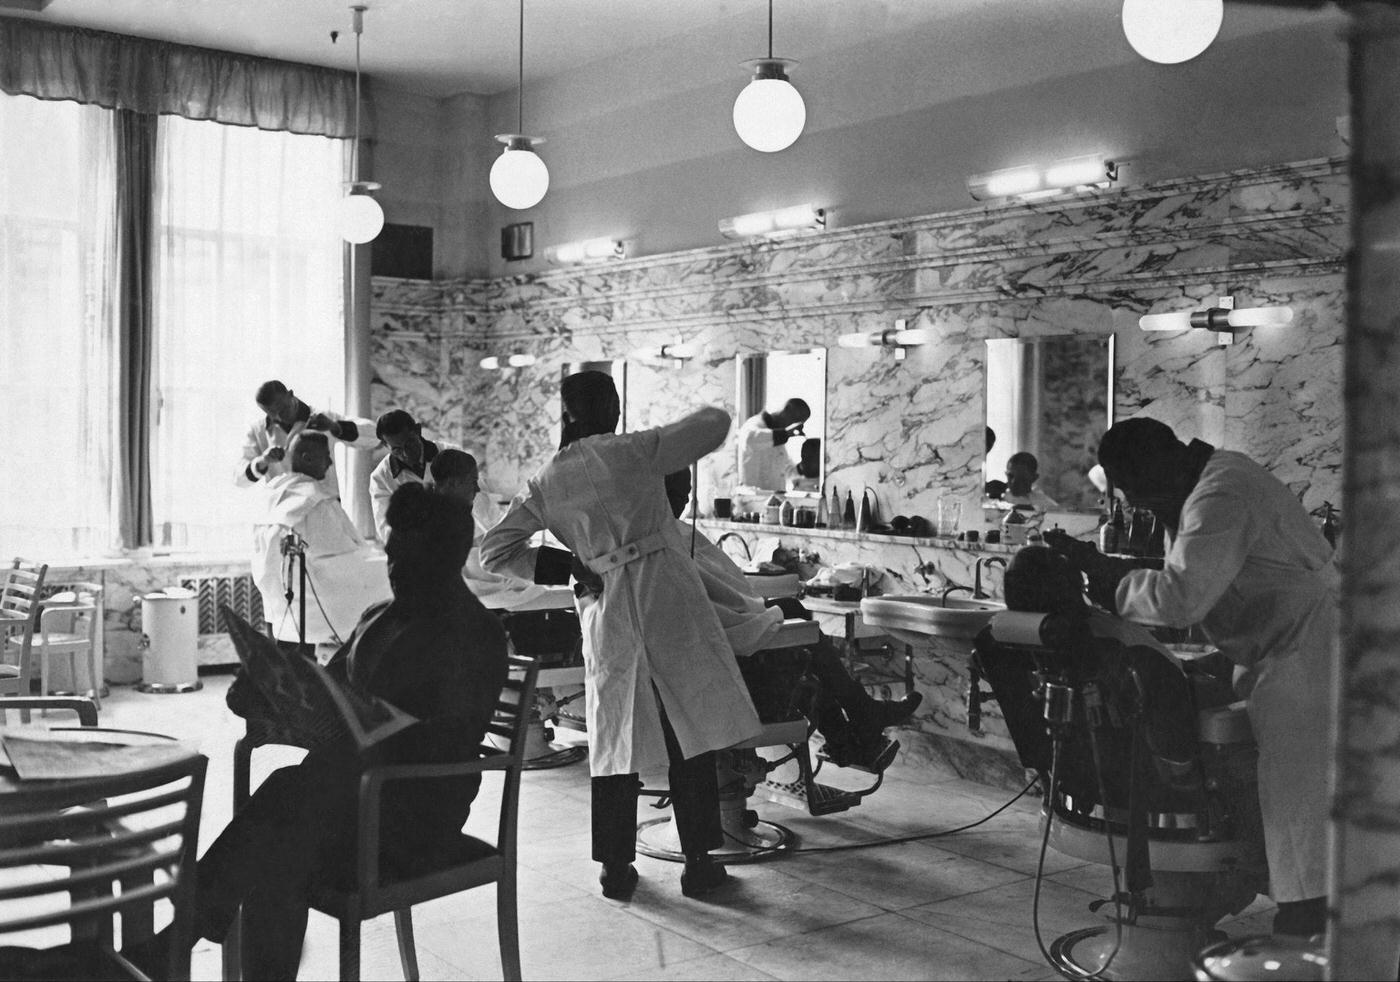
170	641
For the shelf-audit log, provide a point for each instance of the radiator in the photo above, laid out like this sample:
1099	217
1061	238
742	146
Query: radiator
236	590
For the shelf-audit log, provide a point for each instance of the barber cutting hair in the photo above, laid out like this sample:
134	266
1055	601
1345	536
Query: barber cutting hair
1246	563
661	680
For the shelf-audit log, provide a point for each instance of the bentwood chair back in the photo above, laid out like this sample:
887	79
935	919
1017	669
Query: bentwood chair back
132	845
474	862
19	608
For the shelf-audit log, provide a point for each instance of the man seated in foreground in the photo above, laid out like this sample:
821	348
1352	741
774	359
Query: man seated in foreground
434	652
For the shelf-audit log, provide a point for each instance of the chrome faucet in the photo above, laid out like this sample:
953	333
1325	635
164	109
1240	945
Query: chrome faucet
986	561
951	588
735	535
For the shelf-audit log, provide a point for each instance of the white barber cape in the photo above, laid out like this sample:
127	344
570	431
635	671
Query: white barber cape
653	626
748	622
1251	567
344	574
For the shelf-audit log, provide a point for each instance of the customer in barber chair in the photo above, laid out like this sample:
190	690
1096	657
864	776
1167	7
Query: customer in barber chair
661	680
1247	563
851	721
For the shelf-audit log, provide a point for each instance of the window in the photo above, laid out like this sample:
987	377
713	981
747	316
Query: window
247	287
57	348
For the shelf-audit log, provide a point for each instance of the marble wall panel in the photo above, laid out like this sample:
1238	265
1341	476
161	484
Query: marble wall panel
911	429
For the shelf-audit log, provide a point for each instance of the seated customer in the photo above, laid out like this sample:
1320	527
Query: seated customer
434	652
454	473
344	574
1022	471
851	721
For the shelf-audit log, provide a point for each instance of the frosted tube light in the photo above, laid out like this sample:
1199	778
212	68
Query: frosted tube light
1080	170
680	351
862	339
911	337
1216	319
1011	182
777	222
589	250
490	363
520	361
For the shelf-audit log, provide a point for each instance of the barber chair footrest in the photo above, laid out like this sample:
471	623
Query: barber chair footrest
814	798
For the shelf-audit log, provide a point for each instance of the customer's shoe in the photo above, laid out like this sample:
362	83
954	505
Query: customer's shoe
892	712
618	882
702	875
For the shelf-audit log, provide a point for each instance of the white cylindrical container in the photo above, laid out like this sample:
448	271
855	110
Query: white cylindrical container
170	641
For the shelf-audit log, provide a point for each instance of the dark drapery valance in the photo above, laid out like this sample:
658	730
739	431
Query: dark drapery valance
119	72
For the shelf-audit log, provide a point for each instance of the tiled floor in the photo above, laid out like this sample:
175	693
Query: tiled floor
953	907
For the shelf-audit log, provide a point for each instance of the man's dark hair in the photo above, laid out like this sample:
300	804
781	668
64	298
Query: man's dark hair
269	391
1043	581
429	538
450	463
797	409
1024	457
1140	451
991	438
394	422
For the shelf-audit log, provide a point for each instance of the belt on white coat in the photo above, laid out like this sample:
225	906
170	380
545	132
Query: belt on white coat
625	554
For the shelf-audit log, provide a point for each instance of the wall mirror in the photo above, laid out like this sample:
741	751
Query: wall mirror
1051	397
765	382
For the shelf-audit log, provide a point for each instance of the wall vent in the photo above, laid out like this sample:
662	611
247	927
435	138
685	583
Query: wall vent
237	591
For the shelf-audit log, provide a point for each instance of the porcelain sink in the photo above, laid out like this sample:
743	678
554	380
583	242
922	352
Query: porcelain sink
917	618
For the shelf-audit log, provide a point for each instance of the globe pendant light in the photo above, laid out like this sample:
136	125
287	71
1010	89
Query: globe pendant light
519	177
1170	33
769	114
359	216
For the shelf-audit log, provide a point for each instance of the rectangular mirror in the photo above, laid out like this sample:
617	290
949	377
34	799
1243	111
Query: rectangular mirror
1051	397
767	383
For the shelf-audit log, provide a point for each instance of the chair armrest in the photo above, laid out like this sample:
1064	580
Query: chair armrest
82	705
400	772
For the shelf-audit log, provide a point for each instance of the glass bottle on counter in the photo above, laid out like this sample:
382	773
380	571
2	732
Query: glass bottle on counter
848	515
821	510
833	518
1112	534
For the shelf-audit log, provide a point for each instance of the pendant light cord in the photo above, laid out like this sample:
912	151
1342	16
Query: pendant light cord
520	87
355	151
770	29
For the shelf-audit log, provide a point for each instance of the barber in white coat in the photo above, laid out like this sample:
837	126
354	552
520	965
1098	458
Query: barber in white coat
1247	563
661	679
284	417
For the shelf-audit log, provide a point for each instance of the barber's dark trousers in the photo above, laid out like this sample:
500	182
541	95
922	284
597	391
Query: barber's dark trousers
694	805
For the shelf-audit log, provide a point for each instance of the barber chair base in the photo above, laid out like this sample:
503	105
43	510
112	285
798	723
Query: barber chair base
1165	950
163	688
542	754
657	838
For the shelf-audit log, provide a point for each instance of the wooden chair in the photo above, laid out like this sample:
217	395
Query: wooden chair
61	865
19	606
477	862
70	624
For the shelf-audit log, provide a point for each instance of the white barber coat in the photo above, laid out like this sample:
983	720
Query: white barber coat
344	574
1251	567
761	464
261	436
653	626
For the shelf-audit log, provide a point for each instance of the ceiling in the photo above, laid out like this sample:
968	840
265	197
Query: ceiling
447	47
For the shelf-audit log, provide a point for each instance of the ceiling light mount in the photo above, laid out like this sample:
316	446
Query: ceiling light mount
359	216
1224	319
769	113
519	178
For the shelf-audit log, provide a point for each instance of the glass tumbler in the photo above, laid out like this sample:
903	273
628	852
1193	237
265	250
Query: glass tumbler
949	516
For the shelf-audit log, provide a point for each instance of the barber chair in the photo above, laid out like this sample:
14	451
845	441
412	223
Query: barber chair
783	695
1125	756
546	629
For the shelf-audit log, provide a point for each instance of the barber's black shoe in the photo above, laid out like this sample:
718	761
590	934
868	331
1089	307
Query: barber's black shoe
892	712
618	882
702	875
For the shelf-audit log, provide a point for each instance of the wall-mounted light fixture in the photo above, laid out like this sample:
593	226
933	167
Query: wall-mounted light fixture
518	360
898	337
360	217
1223	319
1072	174
1170	33
774	224
769	114
677	351
587	251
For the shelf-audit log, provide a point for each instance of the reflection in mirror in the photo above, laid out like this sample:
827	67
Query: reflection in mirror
1051	397
778	450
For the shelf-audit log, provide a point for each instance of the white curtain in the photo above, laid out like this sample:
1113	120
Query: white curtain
247	287
57	333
